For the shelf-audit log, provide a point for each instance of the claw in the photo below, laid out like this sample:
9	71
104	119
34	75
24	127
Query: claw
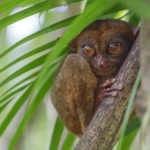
108	82
117	88
112	93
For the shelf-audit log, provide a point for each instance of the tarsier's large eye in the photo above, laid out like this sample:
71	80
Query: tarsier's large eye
88	51
115	48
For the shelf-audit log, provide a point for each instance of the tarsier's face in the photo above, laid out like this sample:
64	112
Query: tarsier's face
105	44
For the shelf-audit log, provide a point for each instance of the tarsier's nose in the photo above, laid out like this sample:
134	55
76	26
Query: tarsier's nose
100	62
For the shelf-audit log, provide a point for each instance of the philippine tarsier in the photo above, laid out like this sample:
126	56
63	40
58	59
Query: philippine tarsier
87	72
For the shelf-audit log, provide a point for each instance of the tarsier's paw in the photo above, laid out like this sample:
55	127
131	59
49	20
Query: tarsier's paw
106	90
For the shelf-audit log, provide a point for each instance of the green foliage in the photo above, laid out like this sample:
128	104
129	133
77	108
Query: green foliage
8	4
50	28
36	89
43	89
14	110
69	141
140	7
131	131
57	132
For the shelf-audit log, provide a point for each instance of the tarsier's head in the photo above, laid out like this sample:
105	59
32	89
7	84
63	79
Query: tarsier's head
105	44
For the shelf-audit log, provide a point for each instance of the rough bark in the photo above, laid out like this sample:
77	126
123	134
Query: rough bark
102	132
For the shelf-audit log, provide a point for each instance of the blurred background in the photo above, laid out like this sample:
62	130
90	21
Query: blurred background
37	133
28	30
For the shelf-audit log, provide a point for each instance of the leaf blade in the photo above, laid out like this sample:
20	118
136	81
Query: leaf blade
69	141
14	110
56	136
128	111
8	4
132	129
29	54
31	108
3	99
26	13
142	8
50	28
35	63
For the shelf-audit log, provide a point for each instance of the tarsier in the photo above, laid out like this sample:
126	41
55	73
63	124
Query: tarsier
88	71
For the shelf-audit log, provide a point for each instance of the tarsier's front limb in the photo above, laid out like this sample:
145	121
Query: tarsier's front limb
106	90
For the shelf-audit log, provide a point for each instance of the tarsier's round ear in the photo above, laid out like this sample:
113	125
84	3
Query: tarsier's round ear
73	45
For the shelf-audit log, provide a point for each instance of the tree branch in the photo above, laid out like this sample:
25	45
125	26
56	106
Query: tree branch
102	132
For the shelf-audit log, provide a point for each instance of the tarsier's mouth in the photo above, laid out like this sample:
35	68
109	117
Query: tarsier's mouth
104	73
